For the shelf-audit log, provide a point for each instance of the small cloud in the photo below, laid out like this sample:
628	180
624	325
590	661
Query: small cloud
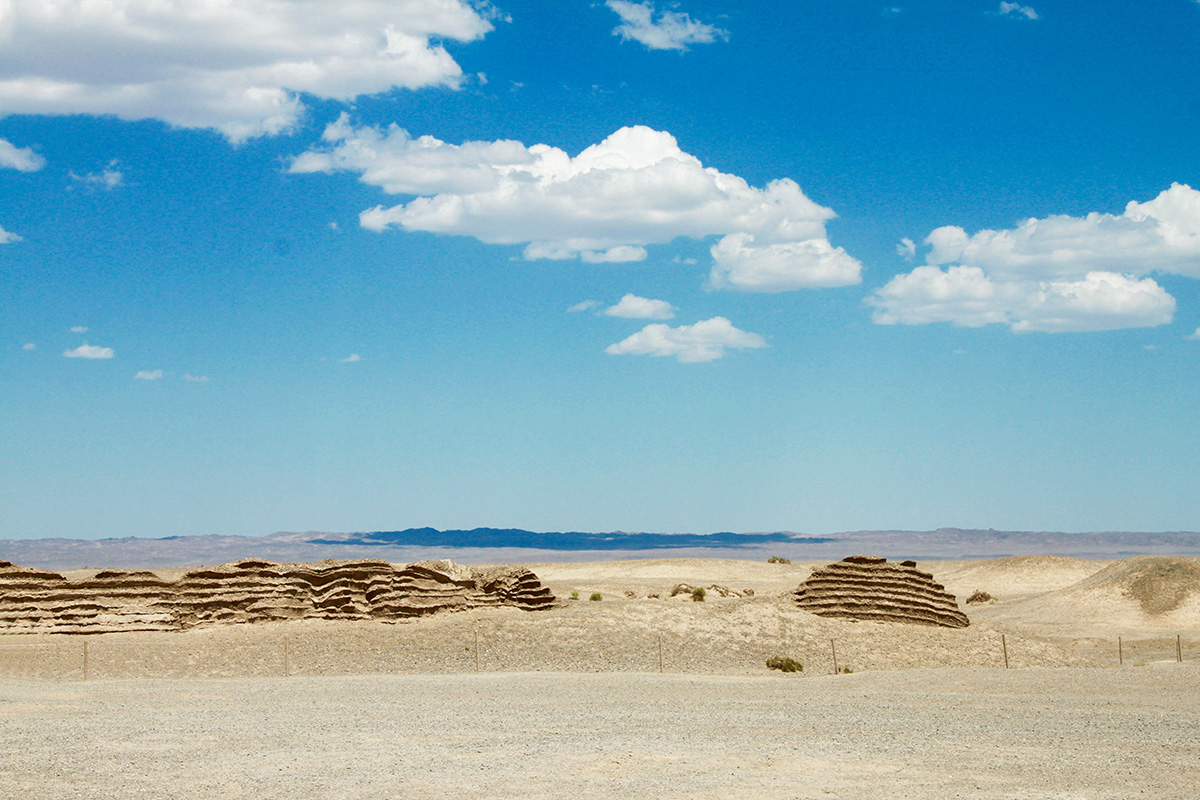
584	306
86	350
79	329
8	237
960	352
29	346
679	260
482	78
634	307
1195	335
333	226
892	10
350	359
906	248
1017	10
196	378
108	179
690	344
22	159
149	374
670	30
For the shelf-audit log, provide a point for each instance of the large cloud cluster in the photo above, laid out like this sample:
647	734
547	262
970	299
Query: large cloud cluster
635	188
1060	273
232	66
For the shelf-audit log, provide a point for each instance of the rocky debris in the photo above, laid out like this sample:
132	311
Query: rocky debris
980	597
869	588
253	590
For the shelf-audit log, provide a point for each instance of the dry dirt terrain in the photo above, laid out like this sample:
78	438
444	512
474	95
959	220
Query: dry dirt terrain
571	701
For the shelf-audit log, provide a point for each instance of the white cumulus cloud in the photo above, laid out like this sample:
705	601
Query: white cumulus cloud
149	374
1058	273
635	188
668	30
8	237
633	307
1017	10
704	341
86	350
237	67
350	359
22	159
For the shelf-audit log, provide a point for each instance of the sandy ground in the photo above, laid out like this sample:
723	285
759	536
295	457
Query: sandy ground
970	733
571	702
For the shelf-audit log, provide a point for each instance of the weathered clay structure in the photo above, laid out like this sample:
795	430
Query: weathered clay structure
870	588
34	600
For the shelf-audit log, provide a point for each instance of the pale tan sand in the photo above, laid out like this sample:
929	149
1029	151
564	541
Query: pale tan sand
921	735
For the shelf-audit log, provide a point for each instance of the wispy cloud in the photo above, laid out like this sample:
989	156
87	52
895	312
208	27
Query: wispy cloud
633	307
1195	335
196	378
108	179
350	359
907	248
1017	10
29	346
22	159
689	344
585	305
86	350
149	374
79	329
8	237
669	30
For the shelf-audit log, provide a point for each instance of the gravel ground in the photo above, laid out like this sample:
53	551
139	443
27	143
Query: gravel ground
928	733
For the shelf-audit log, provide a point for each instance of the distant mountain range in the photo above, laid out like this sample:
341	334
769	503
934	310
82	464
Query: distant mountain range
496	545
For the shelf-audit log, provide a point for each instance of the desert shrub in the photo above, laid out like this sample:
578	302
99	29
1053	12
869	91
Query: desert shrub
846	670
784	664
596	596
574	595
698	594
778	560
980	596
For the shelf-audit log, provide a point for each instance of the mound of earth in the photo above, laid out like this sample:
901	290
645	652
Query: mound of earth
870	588
1158	584
254	591
1017	576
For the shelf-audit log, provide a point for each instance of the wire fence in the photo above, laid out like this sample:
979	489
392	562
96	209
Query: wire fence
282	654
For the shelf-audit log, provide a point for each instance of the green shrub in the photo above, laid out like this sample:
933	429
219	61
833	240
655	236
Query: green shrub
596	596
574	595
784	664
778	560
698	595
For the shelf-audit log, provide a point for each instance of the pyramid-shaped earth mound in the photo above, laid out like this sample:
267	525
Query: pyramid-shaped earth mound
256	591
870	588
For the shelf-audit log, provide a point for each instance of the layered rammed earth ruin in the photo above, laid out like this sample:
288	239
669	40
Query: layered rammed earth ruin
870	588
250	590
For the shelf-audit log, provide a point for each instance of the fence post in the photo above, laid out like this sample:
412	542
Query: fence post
1004	644
833	648
85	659
1120	651
1179	648
477	650
287	667
660	656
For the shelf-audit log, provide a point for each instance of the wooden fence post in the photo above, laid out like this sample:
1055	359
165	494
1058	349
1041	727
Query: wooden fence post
1179	648
833	648
660	656
85	659
1120	651
287	667
1004	644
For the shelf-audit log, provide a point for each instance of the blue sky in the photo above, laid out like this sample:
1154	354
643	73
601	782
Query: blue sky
597	266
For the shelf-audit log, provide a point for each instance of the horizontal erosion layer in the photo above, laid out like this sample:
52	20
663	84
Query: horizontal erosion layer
254	591
868	588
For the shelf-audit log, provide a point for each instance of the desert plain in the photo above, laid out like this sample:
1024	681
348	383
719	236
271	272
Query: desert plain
639	694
